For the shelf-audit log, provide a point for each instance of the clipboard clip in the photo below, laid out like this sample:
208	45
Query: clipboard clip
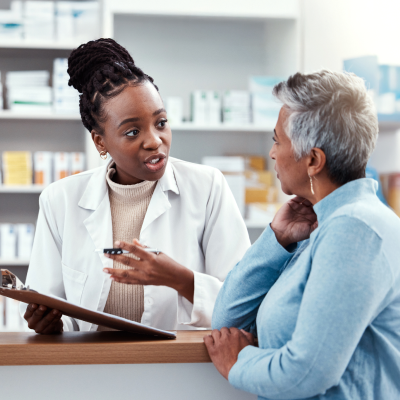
11	281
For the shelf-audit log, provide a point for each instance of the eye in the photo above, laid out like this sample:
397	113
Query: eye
132	133
273	138
162	123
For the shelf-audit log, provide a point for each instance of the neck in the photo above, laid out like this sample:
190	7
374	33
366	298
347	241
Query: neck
124	179
323	187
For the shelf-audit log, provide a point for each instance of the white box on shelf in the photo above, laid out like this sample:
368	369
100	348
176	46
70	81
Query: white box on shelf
199	107
14	322
27	78
62	165
174	106
265	109
225	163
236	107
26	234
64	21
43	167
77	163
39	20
30	99
385	157
11	24
86	20
214	103
8	242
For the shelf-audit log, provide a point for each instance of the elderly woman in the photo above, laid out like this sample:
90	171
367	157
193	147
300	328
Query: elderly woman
321	286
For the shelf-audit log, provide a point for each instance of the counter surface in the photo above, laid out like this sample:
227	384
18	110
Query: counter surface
100	348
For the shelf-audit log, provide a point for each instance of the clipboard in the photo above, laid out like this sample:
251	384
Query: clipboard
13	288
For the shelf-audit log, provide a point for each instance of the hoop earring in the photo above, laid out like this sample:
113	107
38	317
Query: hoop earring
312	188
103	155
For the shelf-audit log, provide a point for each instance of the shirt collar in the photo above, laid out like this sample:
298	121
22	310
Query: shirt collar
346	194
97	186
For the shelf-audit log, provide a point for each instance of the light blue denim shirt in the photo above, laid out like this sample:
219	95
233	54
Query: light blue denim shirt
327	314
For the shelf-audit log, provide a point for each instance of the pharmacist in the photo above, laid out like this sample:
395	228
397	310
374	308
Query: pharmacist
185	210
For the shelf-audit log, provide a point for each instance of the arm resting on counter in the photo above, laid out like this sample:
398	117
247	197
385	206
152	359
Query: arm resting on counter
248	283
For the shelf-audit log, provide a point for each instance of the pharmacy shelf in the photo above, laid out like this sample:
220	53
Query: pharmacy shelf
222	128
22	189
14	115
13	263
39	45
256	224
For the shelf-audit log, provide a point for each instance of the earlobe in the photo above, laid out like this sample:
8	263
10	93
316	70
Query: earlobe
98	141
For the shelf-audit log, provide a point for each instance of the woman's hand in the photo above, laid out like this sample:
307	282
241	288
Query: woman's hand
294	222
224	347
152	269
43	320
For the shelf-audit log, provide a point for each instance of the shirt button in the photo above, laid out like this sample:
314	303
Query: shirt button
149	301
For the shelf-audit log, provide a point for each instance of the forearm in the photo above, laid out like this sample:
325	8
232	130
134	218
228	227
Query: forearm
248	283
183	283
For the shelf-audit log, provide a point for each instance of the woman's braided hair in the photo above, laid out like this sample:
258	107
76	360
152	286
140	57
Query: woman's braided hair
100	70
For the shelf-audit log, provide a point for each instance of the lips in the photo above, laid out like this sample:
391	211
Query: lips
155	162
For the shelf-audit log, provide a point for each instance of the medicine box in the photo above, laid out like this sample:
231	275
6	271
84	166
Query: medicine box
8	242
62	165
43	167
77	162
25	238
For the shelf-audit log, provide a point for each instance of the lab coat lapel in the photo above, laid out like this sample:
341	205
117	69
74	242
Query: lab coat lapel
99	227
159	203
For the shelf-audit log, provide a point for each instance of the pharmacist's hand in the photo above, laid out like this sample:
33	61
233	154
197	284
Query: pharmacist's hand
294	222
151	269
43	320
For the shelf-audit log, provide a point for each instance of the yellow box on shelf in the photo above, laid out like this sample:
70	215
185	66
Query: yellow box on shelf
17	168
261	195
256	178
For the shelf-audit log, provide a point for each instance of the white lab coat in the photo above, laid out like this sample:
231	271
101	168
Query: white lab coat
192	217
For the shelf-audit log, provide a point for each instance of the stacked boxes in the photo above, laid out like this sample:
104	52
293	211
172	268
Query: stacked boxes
236	107
206	107
252	186
47	21
65	98
265	107
17	168
16	241
10	319
29	91
47	167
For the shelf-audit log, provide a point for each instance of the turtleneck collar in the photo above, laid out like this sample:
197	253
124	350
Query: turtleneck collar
128	192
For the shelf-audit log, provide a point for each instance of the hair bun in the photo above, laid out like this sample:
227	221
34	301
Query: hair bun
88	58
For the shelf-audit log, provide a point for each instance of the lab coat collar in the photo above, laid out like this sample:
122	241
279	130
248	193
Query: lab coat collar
97	186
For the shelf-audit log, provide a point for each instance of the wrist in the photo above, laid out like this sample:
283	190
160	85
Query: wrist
280	237
184	283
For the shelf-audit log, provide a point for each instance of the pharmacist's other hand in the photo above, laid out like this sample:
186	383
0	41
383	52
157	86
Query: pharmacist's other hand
43	319
294	222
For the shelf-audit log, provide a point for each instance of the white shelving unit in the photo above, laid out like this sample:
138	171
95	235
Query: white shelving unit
39	45
14	263
223	43
22	189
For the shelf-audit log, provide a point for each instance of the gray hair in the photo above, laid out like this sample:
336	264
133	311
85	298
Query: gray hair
334	112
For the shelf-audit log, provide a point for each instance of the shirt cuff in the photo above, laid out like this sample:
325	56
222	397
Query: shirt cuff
199	314
236	373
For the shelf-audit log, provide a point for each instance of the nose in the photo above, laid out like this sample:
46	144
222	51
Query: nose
152	140
272	152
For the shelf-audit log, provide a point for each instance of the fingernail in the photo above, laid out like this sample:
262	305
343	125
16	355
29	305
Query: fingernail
106	271
117	243
55	312
107	255
113	279
34	306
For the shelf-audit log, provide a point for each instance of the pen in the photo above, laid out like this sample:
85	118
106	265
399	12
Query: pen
117	250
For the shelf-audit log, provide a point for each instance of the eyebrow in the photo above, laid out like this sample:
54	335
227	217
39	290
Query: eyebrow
159	111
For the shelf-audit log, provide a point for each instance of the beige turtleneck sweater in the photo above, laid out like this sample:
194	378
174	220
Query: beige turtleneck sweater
129	205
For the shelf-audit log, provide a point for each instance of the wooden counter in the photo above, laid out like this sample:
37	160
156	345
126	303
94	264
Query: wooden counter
100	348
